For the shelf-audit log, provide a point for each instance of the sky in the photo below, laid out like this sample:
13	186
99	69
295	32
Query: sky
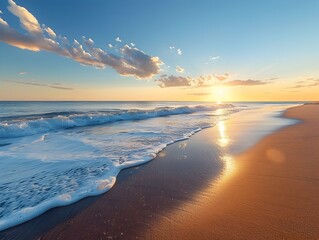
172	50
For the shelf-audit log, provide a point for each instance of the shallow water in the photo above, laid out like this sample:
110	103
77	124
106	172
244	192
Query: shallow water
53	154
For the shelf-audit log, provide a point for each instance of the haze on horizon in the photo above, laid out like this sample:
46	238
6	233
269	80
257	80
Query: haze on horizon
167	50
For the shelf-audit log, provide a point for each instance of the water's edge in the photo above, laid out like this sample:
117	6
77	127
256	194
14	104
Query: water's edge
26	215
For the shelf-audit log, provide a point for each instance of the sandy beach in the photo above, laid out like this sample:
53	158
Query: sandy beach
271	194
269	191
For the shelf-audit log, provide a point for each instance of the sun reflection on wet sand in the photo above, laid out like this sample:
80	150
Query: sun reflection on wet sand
229	164
223	140
219	137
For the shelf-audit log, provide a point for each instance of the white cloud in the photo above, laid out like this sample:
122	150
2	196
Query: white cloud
22	73
132	44
176	50
89	43
3	22
27	20
49	31
179	69
129	61
110	45
214	58
118	39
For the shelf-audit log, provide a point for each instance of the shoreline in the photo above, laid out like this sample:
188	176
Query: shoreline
54	223
272	192
127	177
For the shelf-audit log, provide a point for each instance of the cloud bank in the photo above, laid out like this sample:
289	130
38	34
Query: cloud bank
309	82
166	81
129	61
248	82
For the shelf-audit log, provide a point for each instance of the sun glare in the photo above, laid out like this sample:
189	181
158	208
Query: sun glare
219	94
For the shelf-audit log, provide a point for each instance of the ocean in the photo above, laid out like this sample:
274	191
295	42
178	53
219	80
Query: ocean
56	153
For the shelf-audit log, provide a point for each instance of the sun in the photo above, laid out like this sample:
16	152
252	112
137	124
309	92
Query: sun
219	94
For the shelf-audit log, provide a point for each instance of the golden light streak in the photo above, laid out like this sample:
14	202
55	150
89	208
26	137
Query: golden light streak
223	140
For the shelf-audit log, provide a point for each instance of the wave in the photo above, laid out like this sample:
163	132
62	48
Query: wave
51	122
89	188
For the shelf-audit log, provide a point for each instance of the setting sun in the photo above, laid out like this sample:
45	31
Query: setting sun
220	94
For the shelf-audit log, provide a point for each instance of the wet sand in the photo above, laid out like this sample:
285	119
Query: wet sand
270	191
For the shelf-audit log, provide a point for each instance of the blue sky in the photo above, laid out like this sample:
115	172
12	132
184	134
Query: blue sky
257	40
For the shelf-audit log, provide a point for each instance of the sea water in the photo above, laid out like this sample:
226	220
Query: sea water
55	153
